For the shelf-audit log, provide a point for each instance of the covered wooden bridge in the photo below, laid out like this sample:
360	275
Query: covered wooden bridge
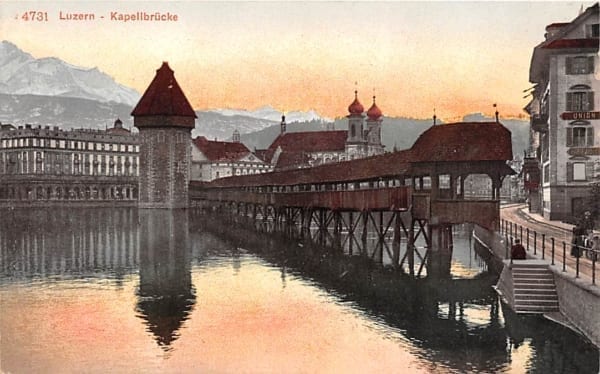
418	192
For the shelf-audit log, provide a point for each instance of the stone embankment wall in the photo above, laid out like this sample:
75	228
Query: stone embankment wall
579	300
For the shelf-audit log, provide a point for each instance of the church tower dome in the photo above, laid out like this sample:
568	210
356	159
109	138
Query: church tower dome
356	108
374	112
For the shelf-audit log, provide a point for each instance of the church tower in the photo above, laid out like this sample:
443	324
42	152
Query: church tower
165	119
283	125
355	143
374	119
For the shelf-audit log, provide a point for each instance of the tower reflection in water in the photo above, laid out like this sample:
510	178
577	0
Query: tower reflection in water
165	295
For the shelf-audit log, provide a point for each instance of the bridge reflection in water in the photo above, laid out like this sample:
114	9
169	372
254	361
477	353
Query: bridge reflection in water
452	322
456	321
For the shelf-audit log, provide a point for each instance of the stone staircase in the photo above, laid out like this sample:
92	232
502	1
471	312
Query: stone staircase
528	287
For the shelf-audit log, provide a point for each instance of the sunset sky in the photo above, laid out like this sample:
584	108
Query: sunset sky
457	57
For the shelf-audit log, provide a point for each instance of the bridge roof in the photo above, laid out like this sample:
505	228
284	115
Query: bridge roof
370	168
463	141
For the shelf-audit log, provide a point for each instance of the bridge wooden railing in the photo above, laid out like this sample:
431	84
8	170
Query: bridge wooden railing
392	198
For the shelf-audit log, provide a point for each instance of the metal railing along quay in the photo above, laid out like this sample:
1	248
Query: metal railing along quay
585	257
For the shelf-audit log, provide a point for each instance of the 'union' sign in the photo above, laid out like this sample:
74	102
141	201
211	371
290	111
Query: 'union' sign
570	116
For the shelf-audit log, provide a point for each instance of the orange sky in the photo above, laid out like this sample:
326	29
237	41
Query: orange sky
457	57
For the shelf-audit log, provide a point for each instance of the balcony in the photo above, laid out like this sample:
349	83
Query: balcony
539	122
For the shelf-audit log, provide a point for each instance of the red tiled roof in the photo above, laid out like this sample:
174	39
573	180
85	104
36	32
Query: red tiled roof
287	160
311	141
262	154
164	97
557	24
573	43
221	151
463	141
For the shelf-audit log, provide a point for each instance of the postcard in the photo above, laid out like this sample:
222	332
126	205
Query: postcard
299	187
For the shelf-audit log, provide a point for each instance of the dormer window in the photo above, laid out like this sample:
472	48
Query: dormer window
593	30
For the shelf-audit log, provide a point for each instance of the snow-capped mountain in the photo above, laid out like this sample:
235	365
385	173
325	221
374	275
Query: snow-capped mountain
22	74
271	114
215	125
64	112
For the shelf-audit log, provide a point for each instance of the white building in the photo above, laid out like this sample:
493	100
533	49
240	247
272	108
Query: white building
214	159
565	115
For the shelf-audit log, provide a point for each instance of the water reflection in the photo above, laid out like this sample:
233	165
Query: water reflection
127	281
458	323
76	243
166	295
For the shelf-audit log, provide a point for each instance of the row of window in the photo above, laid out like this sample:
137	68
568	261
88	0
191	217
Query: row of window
67	144
59	164
576	171
236	165
228	173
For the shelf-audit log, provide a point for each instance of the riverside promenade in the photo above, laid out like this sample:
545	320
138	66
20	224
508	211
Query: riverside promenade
576	282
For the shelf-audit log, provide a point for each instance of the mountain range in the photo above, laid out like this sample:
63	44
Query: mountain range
21	74
269	113
49	91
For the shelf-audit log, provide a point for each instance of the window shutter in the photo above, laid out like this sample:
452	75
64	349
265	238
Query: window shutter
590	136
590	97
569	65
590	65
569	101
569	171
589	170
569	137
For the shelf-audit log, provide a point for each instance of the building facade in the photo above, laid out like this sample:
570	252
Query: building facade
49	164
165	120
214	159
565	118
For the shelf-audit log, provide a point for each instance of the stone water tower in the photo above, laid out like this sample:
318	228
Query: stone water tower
165	119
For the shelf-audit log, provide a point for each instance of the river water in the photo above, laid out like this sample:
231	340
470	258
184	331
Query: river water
127	291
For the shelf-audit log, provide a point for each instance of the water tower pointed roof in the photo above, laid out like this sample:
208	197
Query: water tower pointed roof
164	97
